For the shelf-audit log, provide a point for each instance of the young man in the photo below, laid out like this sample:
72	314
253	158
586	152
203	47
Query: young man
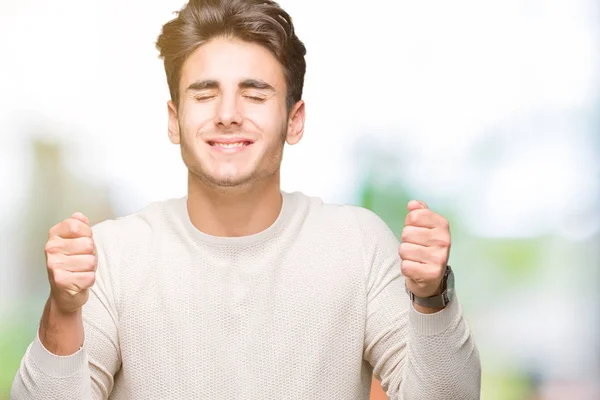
240	290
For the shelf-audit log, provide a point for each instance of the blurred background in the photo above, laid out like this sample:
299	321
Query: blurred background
489	111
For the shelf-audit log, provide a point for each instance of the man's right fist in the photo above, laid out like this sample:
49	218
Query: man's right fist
71	260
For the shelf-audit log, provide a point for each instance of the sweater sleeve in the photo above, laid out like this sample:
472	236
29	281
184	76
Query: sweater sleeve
87	374
416	356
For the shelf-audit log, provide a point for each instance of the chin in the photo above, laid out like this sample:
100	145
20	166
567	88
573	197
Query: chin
230	182
221	181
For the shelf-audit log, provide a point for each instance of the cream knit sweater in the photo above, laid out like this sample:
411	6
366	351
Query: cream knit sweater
309	308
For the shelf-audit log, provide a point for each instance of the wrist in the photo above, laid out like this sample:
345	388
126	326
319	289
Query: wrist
57	313
439	299
430	310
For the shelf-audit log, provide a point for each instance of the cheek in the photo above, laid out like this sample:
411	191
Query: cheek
194	118
269	119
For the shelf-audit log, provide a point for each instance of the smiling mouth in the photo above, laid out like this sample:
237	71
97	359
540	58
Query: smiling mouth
230	145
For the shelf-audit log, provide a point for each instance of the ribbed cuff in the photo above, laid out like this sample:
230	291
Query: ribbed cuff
432	324
56	366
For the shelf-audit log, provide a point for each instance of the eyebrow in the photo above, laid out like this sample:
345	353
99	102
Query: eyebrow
202	85
255	84
245	84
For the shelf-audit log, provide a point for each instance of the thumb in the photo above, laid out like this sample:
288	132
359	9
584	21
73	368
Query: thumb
79	216
415	205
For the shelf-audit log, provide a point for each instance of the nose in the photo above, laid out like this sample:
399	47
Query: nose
228	112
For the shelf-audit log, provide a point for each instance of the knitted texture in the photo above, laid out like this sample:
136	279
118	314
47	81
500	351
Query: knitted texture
309	308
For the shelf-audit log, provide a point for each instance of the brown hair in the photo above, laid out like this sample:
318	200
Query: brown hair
259	21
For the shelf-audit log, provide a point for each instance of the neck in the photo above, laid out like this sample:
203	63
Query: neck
234	211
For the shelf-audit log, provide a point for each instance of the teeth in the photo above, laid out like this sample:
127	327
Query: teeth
229	145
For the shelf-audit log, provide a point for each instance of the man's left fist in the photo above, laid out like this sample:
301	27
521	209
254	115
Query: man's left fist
424	249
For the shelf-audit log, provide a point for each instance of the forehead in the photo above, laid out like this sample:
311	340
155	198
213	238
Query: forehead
229	61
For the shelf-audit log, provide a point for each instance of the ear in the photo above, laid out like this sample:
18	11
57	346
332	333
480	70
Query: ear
296	123
173	123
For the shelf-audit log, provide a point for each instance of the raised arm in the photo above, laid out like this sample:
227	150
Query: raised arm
76	352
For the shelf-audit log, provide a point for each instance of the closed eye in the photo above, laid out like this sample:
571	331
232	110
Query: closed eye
255	98
203	98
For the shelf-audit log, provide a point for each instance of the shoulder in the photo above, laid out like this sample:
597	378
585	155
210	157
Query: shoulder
359	233
358	222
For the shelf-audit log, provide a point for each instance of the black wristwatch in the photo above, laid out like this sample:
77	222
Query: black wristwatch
440	300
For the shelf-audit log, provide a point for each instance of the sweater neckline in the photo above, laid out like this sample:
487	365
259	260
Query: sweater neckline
276	227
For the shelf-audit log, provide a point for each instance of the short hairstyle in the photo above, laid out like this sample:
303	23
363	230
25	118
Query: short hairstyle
262	22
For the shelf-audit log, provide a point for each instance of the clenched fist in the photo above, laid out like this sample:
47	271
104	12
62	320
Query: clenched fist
424	250
71	261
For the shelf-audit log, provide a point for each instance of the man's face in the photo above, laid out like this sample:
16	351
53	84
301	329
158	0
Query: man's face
232	121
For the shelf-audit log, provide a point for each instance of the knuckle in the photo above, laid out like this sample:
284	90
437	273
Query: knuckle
53	264
406	233
88	245
402	249
51	247
90	262
443	242
405	268
413	217
73	226
89	280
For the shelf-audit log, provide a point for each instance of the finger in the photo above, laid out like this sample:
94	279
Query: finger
79	216
418	235
70	247
418	273
74	281
415	205
76	263
71	228
424	218
412	252
428	237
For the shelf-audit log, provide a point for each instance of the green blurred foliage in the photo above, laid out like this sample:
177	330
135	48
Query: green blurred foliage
512	385
519	259
15	336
